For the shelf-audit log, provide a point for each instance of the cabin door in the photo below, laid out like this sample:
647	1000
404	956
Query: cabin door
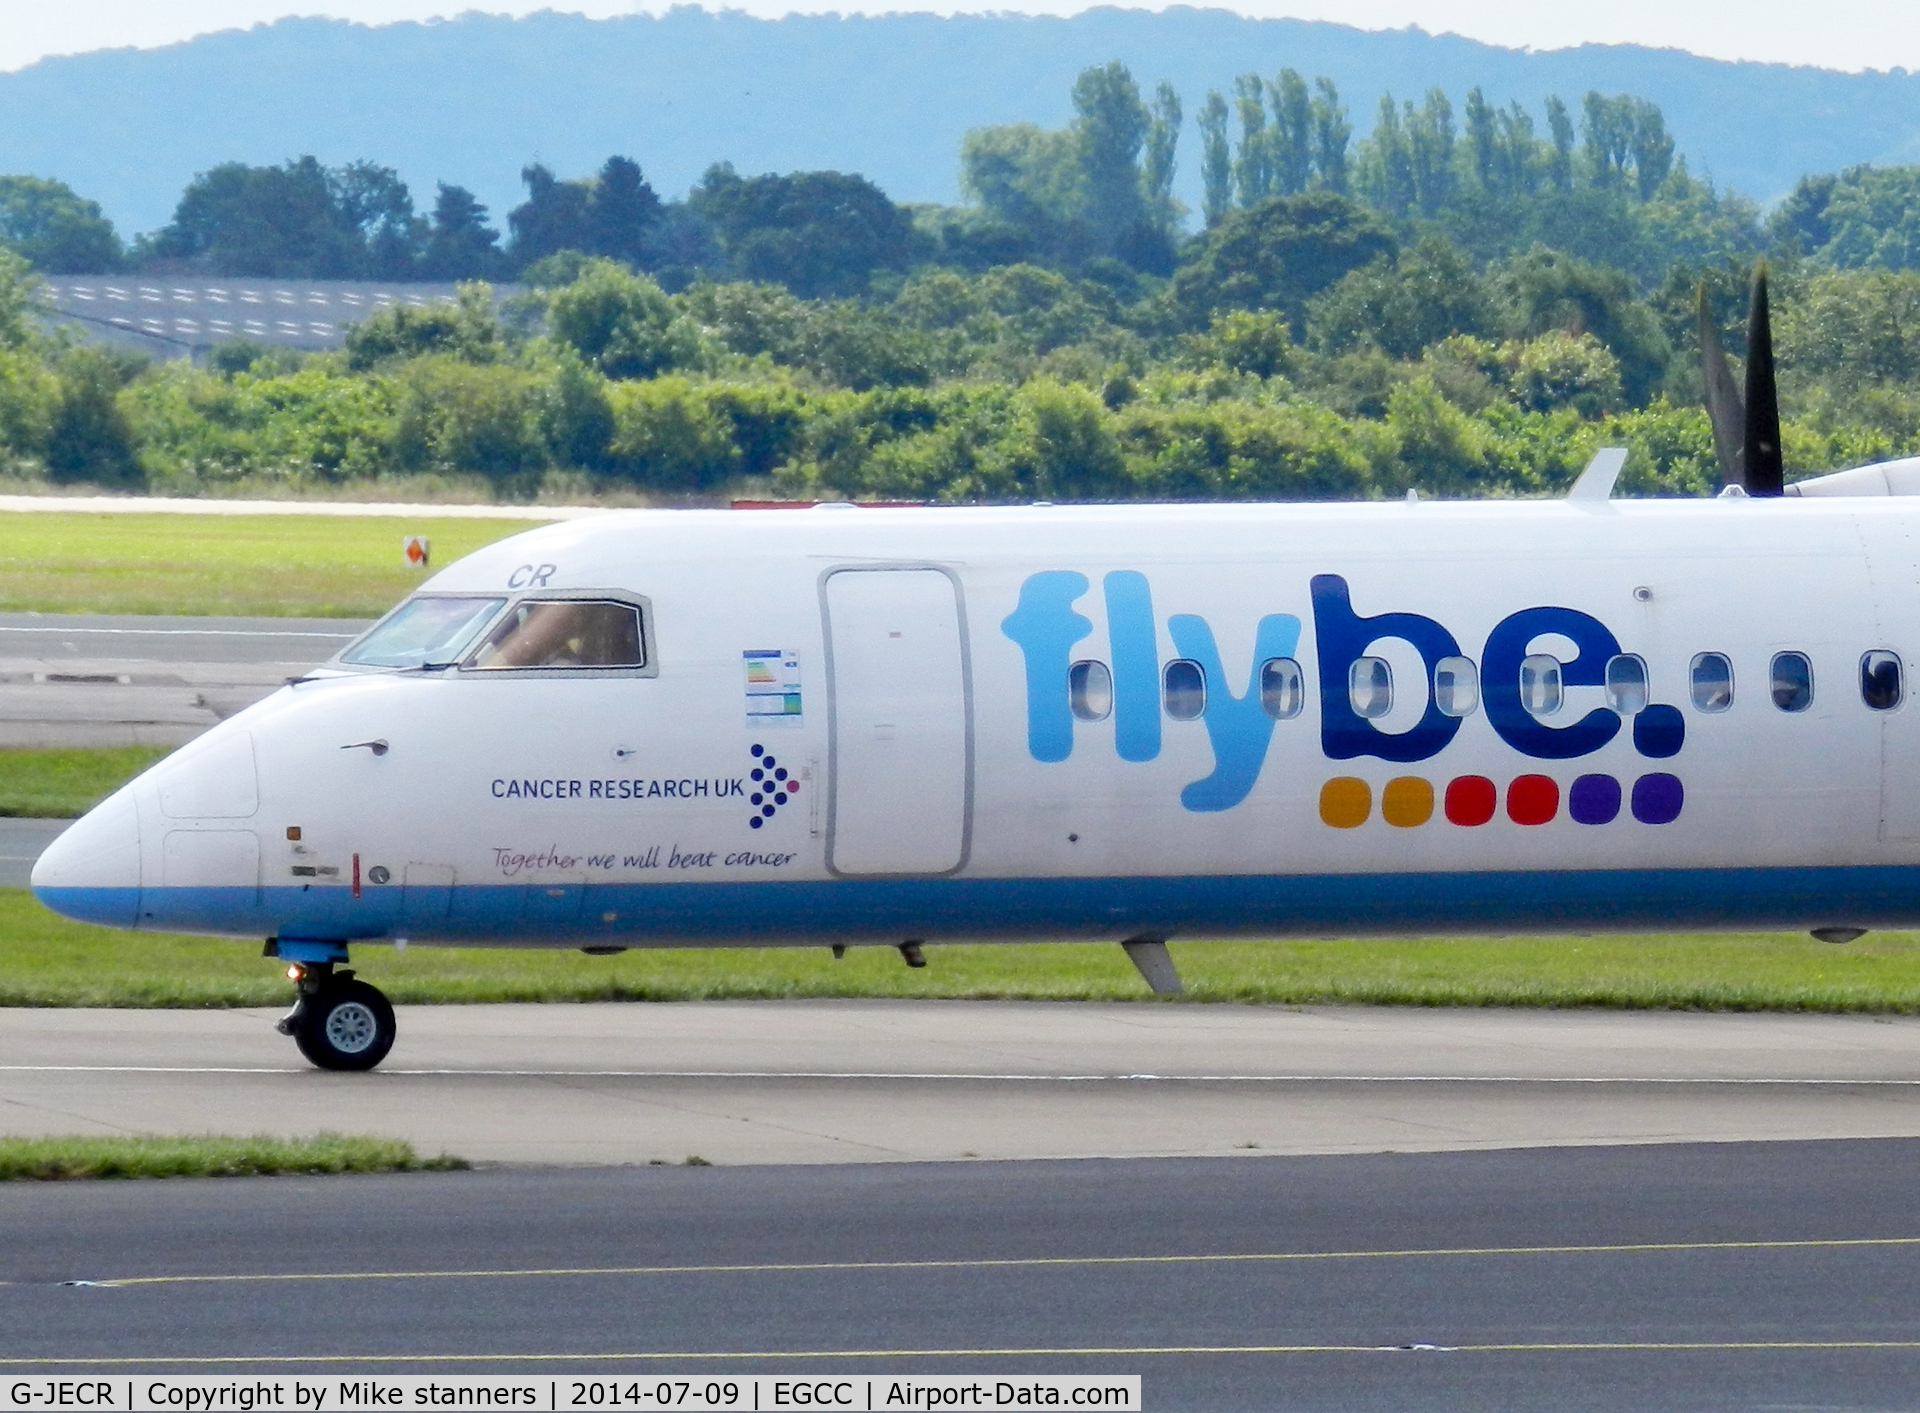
901	720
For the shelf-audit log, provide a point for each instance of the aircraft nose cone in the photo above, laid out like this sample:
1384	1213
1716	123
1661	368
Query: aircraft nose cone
92	872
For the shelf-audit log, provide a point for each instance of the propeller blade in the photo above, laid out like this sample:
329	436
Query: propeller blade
1724	408
1766	471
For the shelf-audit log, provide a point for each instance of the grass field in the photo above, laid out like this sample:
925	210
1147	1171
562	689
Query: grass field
48	961
268	565
208	1155
43	784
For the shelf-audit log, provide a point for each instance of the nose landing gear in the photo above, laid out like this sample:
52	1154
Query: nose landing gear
338	1021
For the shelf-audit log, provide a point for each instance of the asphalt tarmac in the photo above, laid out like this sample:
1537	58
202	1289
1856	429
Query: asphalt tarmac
866	1081
21	842
1731	1276
107	680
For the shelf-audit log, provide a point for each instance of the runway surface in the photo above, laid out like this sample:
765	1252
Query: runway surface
1761	1276
796	1082
21	842
114	680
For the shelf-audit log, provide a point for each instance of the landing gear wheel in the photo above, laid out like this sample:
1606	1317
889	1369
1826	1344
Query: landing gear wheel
347	1025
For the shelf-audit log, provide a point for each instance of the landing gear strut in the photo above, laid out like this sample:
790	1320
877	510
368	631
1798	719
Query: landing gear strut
339	1022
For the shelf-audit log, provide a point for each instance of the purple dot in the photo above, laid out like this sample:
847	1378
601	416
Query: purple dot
759	775
780	774
1657	798
779	799
758	799
1594	799
768	762
755	821
758	749
767	810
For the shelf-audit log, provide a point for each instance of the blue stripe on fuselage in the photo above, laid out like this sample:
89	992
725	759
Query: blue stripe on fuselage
892	909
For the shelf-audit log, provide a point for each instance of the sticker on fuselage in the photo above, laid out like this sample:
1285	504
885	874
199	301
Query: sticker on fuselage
773	687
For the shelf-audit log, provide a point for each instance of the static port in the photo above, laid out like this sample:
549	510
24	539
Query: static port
293	833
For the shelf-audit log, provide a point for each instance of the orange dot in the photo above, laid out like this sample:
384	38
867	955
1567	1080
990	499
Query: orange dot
1407	802
1345	802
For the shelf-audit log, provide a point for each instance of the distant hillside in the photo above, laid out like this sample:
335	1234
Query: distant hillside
470	100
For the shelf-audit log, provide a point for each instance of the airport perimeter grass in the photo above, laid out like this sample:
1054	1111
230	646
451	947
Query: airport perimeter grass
209	1155
48	961
281	566
65	784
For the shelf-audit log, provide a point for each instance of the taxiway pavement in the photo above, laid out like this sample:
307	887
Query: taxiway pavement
21	842
795	1082
1709	1276
122	680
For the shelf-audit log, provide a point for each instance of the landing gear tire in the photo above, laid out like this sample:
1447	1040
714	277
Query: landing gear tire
346	1025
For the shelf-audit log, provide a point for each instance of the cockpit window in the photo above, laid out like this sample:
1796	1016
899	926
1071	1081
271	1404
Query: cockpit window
563	633
423	631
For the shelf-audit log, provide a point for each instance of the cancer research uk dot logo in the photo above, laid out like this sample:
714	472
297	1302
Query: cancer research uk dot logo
771	785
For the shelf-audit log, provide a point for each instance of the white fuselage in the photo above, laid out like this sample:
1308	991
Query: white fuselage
913	672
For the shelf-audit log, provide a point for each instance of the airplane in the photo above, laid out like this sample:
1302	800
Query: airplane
846	726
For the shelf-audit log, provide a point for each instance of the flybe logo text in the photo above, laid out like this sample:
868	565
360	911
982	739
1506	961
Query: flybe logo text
1047	627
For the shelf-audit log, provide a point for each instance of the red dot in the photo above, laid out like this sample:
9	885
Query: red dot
1532	799
1470	800
793	787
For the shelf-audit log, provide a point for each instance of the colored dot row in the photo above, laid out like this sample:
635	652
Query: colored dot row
1407	801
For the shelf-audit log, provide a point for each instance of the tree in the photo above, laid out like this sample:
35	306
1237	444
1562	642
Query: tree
1801	220
1560	124
374	203
818	233
1607	128
460	245
622	323
1388	159
1402	306
1430	151
623	211
1030	179
1483	140
553	218
1291	147
1251	173
54	229
280	222
1163	142
1869	217
1331	134
1277	255
1216	161
1517	158
467	331
1652	148
1545	290
1110	129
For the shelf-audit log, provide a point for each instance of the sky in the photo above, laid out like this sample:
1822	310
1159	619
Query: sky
1851	35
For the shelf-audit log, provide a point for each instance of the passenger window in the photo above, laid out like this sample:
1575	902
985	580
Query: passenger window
423	631
561	633
1090	688
1456	686
1712	682
1184	689
1880	680
1541	691
1283	691
1627	684
1792	681
1370	687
